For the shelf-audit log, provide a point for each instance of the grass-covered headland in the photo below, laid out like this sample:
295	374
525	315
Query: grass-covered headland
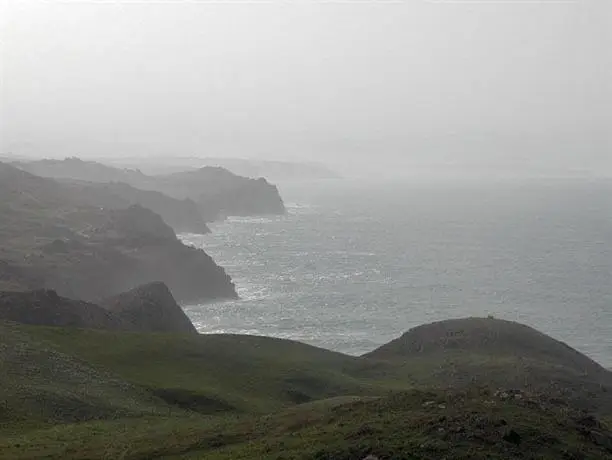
459	389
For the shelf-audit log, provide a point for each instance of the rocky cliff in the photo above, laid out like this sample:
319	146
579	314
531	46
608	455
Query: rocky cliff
149	308
44	307
220	193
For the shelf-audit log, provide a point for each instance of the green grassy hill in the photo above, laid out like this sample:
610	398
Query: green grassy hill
76	393
491	352
209	373
41	386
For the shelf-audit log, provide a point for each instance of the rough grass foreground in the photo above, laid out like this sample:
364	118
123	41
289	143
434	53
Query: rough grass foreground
475	424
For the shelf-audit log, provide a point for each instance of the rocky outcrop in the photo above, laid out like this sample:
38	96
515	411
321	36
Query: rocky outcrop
140	226
220	193
44	307
149	308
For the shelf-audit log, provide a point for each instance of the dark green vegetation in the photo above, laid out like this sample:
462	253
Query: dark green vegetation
76	393
211	191
52	237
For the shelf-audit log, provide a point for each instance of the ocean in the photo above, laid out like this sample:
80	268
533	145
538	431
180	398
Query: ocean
355	264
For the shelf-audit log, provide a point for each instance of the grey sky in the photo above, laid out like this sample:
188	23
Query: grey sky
449	81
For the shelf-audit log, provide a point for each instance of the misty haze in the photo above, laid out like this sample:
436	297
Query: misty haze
296	229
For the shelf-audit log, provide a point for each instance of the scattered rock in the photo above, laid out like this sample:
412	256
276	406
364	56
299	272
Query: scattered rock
150	308
512	437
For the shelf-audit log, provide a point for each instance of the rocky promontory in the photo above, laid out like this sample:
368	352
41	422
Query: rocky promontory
150	307
43	307
147	308
220	193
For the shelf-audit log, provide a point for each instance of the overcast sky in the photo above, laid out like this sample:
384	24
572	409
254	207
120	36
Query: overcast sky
418	81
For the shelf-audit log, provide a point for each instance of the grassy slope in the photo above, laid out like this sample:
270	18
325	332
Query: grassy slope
41	386
408	425
140	384
217	372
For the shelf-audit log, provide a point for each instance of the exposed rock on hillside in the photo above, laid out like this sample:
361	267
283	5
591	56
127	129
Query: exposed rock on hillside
45	308
220	193
149	308
139	225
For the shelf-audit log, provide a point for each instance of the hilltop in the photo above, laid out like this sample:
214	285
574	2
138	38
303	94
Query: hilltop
214	192
245	397
56	239
485	351
490	335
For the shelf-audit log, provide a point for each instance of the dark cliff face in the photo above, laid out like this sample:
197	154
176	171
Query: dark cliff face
220	193
45	308
140	226
149	308
52	239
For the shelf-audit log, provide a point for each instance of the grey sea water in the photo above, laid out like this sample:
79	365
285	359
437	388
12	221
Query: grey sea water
355	265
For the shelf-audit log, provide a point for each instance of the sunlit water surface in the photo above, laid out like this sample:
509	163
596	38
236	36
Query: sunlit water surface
353	266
